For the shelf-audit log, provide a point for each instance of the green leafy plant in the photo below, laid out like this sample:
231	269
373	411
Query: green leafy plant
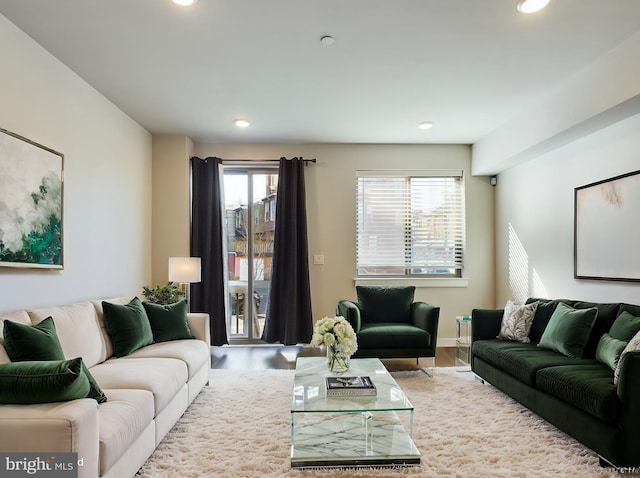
166	294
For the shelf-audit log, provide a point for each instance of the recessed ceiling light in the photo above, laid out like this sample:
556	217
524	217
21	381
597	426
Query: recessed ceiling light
327	40
425	125
531	6
240	123
185	3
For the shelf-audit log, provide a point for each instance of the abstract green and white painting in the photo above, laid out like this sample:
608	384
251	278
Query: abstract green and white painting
31	190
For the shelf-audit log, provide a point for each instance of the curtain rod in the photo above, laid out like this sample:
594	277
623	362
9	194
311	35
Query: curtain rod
306	161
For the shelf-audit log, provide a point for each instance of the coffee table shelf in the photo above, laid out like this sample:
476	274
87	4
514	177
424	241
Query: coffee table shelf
350	431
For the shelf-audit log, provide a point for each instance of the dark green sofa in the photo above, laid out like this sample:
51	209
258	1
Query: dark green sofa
389	324
577	395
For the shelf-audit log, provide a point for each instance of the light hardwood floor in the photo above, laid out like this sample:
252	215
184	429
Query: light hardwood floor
262	357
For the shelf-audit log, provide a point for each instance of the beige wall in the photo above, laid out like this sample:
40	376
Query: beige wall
107	178
171	202
331	215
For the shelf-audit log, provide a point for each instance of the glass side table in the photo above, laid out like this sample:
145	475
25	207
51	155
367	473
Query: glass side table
463	343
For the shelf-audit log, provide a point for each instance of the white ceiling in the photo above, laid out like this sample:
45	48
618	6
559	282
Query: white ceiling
466	65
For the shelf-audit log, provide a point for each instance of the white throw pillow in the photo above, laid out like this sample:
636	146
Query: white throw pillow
516	321
632	346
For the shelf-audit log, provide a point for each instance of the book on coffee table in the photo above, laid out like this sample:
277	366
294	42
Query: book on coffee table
350	387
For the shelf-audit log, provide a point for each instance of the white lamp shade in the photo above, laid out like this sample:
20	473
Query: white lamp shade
184	269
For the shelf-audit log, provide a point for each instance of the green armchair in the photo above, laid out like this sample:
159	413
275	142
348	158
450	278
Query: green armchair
388	324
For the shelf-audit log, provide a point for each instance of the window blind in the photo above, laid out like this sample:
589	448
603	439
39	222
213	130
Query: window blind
410	223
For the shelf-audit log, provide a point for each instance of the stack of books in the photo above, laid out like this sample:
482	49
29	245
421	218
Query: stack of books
350	387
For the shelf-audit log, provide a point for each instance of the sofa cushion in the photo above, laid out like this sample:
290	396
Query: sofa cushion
78	330
587	387
607	313
385	304
625	326
516	321
194	353
161	376
20	317
389	335
544	311
97	304
520	360
168	322
43	381
40	342
568	330
128	326
122	420
609	350
631	308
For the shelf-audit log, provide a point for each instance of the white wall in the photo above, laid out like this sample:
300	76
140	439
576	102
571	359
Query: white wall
600	95
107	178
331	215
535	199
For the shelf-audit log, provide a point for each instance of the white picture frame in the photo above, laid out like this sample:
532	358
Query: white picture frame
606	229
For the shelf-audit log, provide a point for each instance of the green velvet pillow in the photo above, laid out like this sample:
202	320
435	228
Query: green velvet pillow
625	326
568	330
40	342
168	322
43	381
609	350
32	342
127	326
385	304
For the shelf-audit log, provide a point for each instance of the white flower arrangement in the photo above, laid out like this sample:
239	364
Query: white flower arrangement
336	333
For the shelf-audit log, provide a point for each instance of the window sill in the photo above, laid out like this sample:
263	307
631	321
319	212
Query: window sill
418	282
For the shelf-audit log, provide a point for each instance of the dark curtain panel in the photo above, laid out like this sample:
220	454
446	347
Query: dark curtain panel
289	318
207	236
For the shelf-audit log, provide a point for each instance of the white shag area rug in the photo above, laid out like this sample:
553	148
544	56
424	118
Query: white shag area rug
239	426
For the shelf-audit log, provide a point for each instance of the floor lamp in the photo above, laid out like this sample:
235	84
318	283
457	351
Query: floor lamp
185	271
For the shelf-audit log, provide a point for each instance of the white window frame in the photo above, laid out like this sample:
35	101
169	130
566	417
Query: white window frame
404	274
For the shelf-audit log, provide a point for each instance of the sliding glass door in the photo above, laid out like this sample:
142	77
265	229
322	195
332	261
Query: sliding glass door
250	212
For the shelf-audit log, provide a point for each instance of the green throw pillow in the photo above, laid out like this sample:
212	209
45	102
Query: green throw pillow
568	330
127	326
32	342
168	322
42	381
40	342
609	350
625	326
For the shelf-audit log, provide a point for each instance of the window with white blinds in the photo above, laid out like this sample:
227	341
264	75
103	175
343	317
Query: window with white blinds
410	223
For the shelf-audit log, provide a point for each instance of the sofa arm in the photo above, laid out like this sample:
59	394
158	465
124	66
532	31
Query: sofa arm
350	311
199	326
426	317
629	395
485	323
61	427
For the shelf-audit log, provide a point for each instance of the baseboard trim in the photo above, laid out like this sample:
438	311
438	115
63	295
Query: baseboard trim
444	342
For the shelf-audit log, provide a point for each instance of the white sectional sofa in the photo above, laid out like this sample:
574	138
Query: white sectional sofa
147	392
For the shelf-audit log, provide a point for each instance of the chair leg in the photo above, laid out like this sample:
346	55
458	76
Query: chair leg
429	371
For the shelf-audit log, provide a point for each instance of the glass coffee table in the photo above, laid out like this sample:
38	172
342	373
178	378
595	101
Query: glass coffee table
350	431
